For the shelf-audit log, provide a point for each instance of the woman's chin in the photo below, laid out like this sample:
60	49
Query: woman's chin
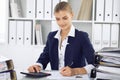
63	29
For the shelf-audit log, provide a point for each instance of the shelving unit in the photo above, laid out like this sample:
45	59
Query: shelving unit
107	20
48	25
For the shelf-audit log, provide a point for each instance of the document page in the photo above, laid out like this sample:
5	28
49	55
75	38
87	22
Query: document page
57	76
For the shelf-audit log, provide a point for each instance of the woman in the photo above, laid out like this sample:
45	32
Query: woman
67	49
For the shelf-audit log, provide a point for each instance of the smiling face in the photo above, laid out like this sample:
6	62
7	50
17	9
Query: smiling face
63	14
64	19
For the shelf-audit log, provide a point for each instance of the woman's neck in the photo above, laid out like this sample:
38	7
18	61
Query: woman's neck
64	32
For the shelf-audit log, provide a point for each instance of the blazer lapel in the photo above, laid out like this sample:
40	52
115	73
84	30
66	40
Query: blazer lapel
68	54
55	53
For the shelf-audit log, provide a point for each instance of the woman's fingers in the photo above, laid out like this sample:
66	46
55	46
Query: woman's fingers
34	68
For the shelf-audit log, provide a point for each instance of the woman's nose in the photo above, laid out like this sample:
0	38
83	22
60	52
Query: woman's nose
61	22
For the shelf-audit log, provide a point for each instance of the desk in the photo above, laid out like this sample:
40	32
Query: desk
56	76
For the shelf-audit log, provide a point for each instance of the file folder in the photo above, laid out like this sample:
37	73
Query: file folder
14	9
24	8
76	9
12	32
109	70
54	3
27	32
85	10
8	75
97	36
106	35
30	9
40	9
114	35
48	9
20	25
38	32
100	10
6	64
116	10
108	10
110	49
20	12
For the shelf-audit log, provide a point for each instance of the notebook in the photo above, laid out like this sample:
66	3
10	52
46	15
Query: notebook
34	74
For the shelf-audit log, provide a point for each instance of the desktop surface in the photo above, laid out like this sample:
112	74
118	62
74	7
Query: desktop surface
55	75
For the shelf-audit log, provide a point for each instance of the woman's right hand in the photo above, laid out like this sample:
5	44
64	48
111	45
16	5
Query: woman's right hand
34	68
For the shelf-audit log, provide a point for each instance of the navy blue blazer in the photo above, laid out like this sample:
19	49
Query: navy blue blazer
78	49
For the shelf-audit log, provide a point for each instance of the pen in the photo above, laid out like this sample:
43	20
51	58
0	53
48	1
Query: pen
71	64
78	76
102	79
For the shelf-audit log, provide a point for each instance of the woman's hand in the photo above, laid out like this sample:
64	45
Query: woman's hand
34	68
67	71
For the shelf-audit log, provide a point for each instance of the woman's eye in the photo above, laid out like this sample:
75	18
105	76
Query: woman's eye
57	19
65	18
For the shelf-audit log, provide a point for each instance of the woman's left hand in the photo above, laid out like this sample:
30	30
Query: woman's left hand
67	71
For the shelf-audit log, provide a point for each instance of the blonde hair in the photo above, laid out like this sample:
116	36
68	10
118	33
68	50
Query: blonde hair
64	6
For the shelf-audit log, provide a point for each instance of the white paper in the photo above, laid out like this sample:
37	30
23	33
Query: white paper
57	76
111	70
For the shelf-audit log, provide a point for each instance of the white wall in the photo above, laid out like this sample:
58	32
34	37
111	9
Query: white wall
22	56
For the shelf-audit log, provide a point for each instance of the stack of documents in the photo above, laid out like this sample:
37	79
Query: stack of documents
109	60
7	69
110	51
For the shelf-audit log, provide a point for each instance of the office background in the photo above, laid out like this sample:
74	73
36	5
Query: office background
24	29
